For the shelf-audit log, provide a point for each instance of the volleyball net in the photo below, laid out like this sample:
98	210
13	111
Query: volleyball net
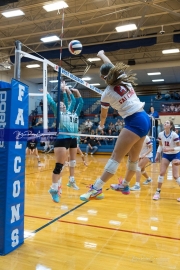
53	120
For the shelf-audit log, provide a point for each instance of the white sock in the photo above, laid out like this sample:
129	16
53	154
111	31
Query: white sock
125	183
98	184
137	184
59	182
178	180
54	186
71	178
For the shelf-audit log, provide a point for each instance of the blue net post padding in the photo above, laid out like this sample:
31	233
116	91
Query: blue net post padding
13	117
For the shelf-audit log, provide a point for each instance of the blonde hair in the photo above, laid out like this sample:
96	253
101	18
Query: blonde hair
117	76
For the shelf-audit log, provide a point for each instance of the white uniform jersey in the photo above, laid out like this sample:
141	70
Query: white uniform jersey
145	148
124	101
169	141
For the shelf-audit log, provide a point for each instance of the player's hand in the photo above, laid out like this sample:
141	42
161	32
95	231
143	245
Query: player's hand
100	127
100	53
157	159
75	90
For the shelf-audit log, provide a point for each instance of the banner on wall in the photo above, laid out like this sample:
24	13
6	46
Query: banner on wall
170	107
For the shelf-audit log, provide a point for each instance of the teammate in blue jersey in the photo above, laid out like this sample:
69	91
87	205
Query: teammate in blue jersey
69	122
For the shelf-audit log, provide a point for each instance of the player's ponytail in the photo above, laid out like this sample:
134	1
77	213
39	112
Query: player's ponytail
115	75
172	126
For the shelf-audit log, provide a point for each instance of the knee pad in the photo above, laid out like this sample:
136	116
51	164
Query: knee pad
132	166
58	168
138	169
72	163
160	179
111	166
178	180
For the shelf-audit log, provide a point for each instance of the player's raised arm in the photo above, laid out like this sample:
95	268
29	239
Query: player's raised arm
103	57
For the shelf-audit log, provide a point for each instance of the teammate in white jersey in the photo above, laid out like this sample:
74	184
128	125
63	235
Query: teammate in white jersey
167	138
145	157
120	95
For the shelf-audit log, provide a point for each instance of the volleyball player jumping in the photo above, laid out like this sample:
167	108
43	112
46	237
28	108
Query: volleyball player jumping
69	123
121	96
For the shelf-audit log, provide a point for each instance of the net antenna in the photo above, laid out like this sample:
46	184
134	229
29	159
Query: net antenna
88	66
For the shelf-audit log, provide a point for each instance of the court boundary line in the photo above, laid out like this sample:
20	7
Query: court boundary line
94	226
53	220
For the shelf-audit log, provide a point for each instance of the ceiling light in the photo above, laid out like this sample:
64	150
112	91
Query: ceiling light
55	6
13	13
158	80
94	59
95	84
154	73
170	51
54	81
50	39
33	66
86	79
128	27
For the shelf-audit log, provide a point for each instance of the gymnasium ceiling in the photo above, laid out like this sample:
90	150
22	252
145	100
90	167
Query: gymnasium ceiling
93	23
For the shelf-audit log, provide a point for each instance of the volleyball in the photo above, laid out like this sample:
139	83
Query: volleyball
75	47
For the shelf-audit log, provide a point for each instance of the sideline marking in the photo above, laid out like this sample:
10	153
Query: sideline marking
55	219
105	228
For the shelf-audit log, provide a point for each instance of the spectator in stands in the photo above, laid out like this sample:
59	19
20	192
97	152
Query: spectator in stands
115	114
31	149
92	145
88	126
81	115
102	140
153	115
167	108
167	96
41	105
158	96
176	109
176	95
53	126
172	108
96	120
33	122
163	108
39	122
111	129
83	139
118	126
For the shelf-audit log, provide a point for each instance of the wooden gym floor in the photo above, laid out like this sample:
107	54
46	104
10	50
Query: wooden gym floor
118	232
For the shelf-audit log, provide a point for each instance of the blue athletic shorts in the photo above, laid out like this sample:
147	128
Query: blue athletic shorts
139	123
171	157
